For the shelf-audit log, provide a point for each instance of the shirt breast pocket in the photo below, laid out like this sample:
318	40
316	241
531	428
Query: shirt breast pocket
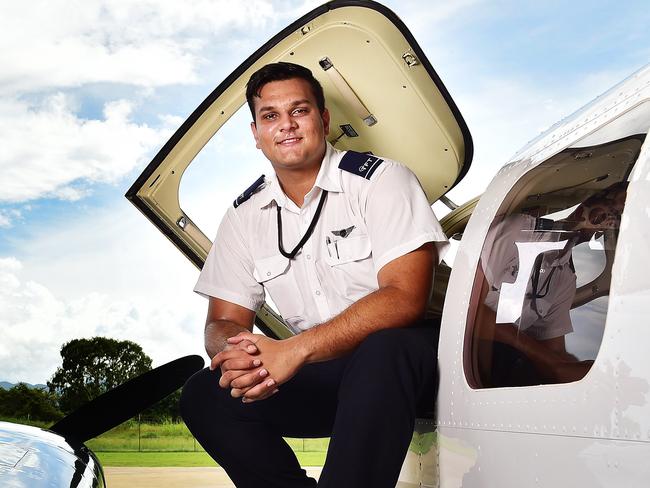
351	268
274	273
343	251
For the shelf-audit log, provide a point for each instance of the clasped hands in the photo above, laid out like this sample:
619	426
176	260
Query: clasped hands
253	366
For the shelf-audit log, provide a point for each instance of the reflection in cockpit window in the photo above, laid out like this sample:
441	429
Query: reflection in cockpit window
588	329
589	259
540	295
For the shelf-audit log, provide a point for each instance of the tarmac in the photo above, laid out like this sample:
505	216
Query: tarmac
174	477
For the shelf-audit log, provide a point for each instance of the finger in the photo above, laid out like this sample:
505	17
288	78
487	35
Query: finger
261	391
261	397
234	368
214	363
240	337
220	358
249	379
243	344
227	377
244	379
225	355
240	392
248	346
248	363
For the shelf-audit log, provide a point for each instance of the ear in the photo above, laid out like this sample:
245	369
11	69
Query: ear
326	121
255	135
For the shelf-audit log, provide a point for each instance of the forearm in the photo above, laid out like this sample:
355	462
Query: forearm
552	364
384	308
217	332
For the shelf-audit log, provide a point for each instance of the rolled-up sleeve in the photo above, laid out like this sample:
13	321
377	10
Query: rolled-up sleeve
228	271
399	217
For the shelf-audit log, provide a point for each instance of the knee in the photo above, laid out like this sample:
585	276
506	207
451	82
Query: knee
196	393
380	351
398	348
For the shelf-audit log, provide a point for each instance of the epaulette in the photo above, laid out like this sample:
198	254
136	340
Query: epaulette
248	192
360	164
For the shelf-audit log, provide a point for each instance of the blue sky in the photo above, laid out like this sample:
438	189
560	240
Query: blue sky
89	91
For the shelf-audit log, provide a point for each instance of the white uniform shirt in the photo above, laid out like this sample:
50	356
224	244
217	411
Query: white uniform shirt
365	223
544	317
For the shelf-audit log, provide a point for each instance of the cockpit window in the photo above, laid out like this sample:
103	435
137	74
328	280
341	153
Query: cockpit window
541	287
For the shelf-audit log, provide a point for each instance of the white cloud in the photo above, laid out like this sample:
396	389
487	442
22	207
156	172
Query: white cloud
35	322
10	265
63	43
48	151
8	216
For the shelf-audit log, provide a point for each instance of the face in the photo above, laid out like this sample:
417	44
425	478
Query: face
288	127
601	213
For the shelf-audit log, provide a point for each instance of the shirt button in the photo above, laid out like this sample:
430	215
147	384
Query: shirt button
308	256
268	273
317	292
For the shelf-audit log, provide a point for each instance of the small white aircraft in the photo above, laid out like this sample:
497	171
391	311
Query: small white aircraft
510	415
544	376
580	417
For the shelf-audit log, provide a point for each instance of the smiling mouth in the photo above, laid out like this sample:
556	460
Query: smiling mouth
289	141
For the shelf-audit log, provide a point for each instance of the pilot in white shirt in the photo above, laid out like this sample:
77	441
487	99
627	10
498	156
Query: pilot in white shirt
342	243
368	219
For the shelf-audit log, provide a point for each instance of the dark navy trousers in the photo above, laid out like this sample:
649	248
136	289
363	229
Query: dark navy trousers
366	401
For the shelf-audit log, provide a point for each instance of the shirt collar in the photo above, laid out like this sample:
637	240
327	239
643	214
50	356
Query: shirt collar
272	192
327	179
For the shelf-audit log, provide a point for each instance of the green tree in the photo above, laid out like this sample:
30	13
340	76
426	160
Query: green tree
24	402
166	410
93	366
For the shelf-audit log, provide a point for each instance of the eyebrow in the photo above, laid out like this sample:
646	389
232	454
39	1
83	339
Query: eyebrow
293	104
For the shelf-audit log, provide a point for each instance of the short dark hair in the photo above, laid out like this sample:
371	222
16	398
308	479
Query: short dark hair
279	72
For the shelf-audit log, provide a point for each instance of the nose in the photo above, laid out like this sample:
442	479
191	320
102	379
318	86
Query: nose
288	123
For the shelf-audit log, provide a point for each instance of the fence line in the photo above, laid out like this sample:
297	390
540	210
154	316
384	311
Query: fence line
142	434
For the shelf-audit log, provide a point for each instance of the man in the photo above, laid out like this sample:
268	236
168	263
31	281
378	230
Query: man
344	244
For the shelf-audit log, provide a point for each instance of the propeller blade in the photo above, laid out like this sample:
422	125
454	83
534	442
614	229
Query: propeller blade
127	400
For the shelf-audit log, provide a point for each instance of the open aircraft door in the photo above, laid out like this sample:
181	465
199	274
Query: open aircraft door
533	393
383	96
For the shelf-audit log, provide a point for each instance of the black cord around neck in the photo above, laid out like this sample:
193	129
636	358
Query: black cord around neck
310	229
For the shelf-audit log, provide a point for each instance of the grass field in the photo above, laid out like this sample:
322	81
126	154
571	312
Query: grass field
136	443
185	459
134	436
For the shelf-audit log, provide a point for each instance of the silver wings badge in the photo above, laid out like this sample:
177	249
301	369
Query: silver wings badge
343	232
